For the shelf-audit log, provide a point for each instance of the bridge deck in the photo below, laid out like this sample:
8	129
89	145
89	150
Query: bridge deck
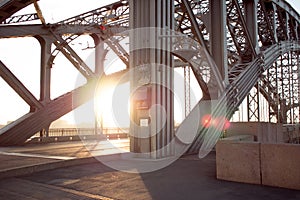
187	178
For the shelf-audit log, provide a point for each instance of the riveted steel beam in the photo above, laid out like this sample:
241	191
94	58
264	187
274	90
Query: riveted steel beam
19	87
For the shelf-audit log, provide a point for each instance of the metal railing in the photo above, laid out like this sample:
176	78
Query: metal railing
58	132
77	134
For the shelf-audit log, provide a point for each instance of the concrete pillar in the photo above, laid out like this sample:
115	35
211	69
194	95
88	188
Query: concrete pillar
218	36
152	120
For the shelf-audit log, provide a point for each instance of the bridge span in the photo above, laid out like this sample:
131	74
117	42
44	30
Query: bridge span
243	56
238	51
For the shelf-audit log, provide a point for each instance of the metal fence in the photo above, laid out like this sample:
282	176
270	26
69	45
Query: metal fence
76	134
58	132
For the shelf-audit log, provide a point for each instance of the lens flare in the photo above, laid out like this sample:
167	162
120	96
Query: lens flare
221	123
206	121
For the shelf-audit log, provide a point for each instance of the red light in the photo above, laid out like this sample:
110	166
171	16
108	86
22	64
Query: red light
226	125
222	123
102	27
206	121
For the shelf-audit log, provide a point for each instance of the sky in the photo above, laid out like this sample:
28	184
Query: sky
21	56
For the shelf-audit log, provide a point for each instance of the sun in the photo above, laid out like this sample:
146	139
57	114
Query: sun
112	105
102	105
103	99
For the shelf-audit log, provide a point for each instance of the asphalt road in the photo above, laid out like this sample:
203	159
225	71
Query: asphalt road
188	178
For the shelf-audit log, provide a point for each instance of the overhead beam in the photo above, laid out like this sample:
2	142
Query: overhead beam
18	86
13	31
9	7
21	18
288	8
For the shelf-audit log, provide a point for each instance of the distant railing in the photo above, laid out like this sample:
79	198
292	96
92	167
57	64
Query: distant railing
76	134
58	132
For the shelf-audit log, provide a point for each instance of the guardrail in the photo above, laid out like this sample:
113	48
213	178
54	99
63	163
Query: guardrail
57	132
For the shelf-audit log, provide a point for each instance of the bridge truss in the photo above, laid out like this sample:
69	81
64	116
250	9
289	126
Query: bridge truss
254	43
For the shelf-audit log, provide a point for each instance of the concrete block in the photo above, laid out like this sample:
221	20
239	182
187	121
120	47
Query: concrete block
262	131
238	161
280	165
248	138
242	128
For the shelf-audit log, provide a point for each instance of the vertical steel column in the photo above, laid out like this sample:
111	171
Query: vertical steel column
45	80
284	85
187	90
45	75
253	107
218	37
289	87
295	86
272	78
298	81
275	16
251	21
296	30
287	25
100	54
152	120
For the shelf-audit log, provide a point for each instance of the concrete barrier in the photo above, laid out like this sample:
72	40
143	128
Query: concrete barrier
238	161
280	165
263	131
275	165
249	138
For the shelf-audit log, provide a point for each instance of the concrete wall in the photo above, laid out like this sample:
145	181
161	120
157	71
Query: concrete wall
280	165
263	131
259	163
238	161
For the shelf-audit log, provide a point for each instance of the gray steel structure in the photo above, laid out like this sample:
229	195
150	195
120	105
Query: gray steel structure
254	44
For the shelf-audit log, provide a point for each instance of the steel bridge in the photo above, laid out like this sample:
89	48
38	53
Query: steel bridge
238	50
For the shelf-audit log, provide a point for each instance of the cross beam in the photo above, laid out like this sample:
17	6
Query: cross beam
17	85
